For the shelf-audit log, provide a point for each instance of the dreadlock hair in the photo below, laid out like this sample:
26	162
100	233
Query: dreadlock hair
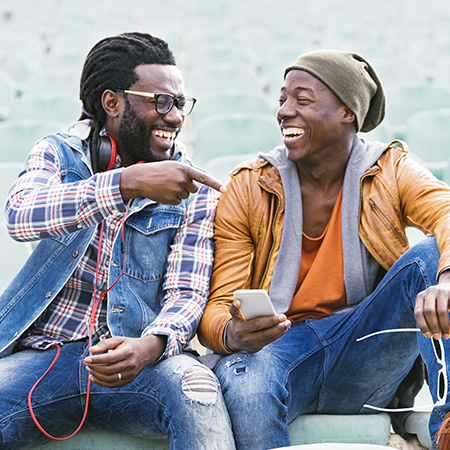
111	65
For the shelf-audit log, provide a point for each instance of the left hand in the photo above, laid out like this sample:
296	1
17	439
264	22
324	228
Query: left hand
432	307
127	356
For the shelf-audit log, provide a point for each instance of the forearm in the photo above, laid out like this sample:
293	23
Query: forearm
41	205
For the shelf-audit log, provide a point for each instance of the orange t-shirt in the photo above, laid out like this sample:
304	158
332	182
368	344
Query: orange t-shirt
320	287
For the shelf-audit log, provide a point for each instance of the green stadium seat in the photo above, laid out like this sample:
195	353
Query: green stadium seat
398	68
382	133
221	166
228	134
403	99
428	136
57	80
210	77
62	107
227	101
8	91
17	137
18	64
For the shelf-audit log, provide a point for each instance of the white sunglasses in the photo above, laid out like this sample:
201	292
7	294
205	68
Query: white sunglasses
442	385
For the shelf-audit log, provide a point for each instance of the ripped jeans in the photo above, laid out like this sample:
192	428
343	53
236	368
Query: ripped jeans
177	397
318	367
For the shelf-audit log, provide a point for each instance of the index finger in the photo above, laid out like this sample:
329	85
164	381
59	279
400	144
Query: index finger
204	178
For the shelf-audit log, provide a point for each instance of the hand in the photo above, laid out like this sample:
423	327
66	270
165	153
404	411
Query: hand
127	356
167	182
252	335
432	306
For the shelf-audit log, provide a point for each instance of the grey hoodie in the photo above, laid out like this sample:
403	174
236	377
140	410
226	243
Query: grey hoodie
361	270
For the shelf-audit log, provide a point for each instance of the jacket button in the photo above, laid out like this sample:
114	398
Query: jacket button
75	253
48	294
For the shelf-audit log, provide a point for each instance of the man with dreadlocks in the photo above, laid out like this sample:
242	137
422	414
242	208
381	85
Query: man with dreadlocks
115	289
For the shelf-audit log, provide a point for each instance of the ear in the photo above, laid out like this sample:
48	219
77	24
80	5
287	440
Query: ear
110	103
348	116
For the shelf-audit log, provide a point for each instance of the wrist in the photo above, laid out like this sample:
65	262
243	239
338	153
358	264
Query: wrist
226	340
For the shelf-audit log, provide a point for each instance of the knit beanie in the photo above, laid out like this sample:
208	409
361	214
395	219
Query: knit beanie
352	79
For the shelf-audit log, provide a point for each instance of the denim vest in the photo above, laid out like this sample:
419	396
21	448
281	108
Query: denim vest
135	301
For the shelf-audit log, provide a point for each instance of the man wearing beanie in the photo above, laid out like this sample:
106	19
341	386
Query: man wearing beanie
319	223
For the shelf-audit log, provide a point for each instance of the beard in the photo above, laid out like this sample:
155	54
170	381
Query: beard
134	137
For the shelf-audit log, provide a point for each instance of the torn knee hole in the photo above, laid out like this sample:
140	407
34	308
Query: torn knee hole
200	385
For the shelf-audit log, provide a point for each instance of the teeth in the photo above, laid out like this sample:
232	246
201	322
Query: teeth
164	134
293	132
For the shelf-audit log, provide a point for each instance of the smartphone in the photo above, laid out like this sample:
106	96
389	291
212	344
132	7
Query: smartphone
254	303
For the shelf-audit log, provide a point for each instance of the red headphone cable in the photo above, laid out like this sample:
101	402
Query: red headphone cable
91	325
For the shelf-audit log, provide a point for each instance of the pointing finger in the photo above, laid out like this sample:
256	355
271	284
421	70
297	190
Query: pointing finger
204	178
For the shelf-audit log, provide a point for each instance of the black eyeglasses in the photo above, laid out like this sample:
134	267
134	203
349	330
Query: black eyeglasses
164	102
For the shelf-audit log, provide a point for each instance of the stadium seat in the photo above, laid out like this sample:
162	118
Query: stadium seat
8	91
382	133
18	65
218	53
15	254
428	135
228	134
57	80
403	99
227	101
209	77
221	166
17	137
62	107
398	68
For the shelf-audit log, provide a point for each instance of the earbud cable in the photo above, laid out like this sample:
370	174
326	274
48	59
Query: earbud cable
91	326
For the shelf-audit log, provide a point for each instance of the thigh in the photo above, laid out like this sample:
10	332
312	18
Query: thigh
369	371
178	397
57	396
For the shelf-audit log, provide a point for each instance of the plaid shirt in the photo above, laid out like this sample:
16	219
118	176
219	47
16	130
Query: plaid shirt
41	206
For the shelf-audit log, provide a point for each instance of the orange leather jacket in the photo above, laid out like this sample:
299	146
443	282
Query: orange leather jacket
396	193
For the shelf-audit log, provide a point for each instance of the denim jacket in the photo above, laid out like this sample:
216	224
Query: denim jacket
136	298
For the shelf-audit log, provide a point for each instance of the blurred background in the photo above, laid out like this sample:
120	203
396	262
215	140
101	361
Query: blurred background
232	54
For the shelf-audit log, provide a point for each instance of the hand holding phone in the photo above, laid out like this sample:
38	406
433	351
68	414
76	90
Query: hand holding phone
254	303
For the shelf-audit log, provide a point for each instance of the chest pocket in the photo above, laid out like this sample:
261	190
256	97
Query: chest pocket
149	235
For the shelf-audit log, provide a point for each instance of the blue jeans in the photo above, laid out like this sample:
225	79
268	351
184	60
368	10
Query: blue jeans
158	402
318	367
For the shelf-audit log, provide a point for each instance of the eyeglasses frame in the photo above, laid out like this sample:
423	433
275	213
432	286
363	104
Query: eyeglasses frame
156	95
442	371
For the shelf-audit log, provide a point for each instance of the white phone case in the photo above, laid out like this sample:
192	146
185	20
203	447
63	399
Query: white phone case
254	303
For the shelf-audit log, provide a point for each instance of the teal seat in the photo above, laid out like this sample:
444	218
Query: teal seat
213	77
57	80
18	64
428	136
8	92
14	255
227	101
382	133
228	134
403	99
17	137
55	106
221	166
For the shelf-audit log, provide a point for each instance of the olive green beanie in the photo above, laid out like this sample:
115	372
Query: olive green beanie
352	79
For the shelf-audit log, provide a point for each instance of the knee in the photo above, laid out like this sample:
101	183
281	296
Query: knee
200	385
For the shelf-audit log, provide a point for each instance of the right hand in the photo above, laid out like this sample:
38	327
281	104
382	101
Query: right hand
252	335
166	182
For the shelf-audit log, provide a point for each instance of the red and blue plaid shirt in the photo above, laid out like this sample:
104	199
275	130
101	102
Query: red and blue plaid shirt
41	206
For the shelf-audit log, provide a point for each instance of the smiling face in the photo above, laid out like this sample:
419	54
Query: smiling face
312	119
140	132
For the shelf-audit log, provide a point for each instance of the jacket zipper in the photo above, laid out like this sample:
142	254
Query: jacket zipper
377	210
270	191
